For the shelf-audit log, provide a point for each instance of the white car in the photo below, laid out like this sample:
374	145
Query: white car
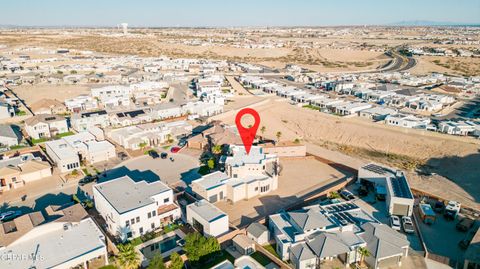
395	223
407	225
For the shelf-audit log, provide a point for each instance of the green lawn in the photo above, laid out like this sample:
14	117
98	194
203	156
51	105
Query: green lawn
21	113
40	140
224	255
261	258
312	107
65	134
272	249
17	147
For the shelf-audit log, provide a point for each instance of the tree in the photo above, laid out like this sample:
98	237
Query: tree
128	257
169	138
333	195
142	145
363	251
211	164
278	135
262	130
296	141
156	262
197	246
217	149
176	262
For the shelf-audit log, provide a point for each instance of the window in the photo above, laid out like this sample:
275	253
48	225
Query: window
166	200
138	219
154	213
132	221
152	247
140	230
127	223
153	225
256	188
149	215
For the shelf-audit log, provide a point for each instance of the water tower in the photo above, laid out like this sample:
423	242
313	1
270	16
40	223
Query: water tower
124	27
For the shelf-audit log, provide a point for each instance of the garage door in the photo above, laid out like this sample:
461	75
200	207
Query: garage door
213	198
400	210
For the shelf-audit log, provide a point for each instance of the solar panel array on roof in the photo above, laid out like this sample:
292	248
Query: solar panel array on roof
344	219
340	207
400	188
88	114
375	168
133	114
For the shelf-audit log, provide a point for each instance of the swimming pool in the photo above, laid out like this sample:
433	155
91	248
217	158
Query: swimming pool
165	245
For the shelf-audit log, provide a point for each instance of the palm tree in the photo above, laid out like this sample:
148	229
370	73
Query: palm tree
278	135
364	252
262	130
128	257
217	149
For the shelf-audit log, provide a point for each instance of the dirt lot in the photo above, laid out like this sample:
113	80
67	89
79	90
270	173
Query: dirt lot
465	66
454	159
32	94
298	178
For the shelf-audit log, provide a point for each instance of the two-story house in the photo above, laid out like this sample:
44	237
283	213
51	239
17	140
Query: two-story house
45	125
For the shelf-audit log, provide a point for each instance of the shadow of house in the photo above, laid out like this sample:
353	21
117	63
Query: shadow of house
463	171
51	199
135	175
190	175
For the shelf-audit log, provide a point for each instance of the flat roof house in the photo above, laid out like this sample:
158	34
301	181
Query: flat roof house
399	198
131	209
63	154
207	218
245	176
85	120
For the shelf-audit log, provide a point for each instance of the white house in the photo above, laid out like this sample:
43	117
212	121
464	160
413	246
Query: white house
131	209
63	154
207	218
9	135
45	125
457	127
85	120
57	244
245	176
407	121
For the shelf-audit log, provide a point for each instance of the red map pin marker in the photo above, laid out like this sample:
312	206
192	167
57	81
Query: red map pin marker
247	134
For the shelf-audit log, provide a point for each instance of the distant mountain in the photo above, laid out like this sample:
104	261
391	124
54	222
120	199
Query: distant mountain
432	23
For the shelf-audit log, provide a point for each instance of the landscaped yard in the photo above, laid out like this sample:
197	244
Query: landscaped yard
272	249
261	258
222	256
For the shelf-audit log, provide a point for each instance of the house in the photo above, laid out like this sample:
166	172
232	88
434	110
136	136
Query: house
130	117
149	134
81	103
45	125
314	234
60	243
207	218
243	244
89	149
378	113
202	109
399	197
63	154
48	106
85	120
17	171
131	209
407	121
457	127
10	135
258	233
245	176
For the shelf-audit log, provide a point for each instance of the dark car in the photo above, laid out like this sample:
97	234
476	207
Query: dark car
439	207
465	224
363	191
464	243
153	154
163	155
122	156
87	179
347	195
182	143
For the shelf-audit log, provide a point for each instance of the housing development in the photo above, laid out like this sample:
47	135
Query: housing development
120	147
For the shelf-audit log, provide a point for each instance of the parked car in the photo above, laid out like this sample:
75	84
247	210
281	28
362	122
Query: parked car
363	191
122	156
451	210
175	149
87	179
465	224
395	222
439	207
464	243
163	155
10	215
182	143
153	154
347	195
407	225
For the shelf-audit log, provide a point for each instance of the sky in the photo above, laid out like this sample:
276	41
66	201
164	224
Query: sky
217	13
